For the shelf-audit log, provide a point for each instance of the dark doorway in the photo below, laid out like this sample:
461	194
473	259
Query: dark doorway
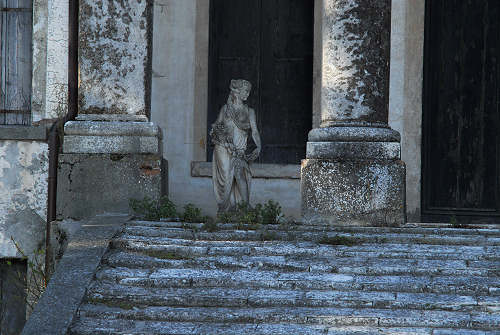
12	295
270	44
461	151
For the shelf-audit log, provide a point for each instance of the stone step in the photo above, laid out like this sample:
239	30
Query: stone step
409	229
307	249
195	277
344	265
363	237
299	315
112	293
174	278
91	326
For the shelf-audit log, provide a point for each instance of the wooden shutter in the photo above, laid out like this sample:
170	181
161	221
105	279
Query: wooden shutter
15	59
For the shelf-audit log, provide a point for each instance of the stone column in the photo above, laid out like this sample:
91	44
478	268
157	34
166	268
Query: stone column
111	152
353	173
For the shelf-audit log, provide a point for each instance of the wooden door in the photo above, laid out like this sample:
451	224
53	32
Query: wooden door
270	44
461	151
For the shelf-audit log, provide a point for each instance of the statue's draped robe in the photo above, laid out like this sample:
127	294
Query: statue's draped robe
229	156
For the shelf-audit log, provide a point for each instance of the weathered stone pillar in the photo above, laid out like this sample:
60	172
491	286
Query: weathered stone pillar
111	152
353	173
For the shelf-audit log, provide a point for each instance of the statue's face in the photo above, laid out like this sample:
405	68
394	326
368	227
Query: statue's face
243	94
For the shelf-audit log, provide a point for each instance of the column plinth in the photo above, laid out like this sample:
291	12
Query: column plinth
352	173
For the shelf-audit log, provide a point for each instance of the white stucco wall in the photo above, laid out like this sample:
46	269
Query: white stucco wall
405	92
57	58
50	59
179	104
23	200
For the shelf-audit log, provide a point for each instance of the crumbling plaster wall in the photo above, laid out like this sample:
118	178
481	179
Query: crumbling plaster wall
23	161
23	204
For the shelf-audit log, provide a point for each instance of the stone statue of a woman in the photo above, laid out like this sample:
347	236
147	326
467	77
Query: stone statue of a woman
231	172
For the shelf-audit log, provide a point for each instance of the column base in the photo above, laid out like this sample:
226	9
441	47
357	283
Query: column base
106	163
353	192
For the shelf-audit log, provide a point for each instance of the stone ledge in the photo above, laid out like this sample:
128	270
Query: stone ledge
55	311
354	150
111	144
354	134
112	117
112	128
34	133
266	171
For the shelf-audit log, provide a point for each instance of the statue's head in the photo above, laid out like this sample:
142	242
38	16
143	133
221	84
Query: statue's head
241	88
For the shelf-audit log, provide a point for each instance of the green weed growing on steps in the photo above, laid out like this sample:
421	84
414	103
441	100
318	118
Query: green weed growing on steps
151	209
210	225
192	214
340	240
260	214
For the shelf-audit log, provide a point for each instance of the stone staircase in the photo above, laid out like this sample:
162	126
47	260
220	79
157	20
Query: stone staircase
176	278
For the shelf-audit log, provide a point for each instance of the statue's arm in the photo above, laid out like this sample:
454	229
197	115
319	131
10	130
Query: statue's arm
221	114
255	134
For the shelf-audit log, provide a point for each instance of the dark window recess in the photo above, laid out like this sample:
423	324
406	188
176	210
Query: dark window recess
15	61
12	296
270	44
461	137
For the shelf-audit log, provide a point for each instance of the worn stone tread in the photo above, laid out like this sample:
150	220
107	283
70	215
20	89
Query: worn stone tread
212	297
308	249
108	327
298	315
402	237
197	277
357	264
411	229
